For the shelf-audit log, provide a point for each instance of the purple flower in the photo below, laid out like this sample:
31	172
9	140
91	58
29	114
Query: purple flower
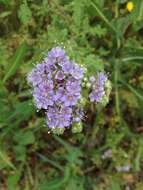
51	118
43	99
73	87
77	71
59	94
67	67
39	74
59	117
92	79
34	77
70	99
66	111
49	65
77	119
101	77
96	95
57	88
46	86
64	117
98	90
60	75
57	54
78	114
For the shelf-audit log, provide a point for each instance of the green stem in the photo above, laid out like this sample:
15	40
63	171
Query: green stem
141	11
103	17
138	157
117	9
132	58
116	90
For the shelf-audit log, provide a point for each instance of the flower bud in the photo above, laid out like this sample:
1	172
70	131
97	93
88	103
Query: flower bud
57	130
88	85
85	79
83	84
82	101
105	100
108	87
77	127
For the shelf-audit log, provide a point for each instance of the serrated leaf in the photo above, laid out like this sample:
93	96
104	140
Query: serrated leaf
94	63
21	112
78	12
24	13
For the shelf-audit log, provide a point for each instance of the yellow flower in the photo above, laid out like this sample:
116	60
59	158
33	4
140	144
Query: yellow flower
130	6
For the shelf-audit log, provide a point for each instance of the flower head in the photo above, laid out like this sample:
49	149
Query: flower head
57	88
98	88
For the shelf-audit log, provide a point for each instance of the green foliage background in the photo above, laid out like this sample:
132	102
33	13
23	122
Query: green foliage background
100	35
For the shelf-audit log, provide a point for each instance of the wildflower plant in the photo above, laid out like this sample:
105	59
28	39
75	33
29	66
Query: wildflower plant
58	85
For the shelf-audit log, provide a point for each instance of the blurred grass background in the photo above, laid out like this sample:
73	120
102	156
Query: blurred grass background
103	34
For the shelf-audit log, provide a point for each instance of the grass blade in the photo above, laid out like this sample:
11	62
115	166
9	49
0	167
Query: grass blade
139	155
103	17
116	76
16	60
53	163
132	58
133	90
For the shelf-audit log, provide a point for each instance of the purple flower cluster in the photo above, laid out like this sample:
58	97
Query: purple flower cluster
98	87
57	88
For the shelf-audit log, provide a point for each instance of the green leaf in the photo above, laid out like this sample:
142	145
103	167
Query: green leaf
16	61
6	2
75	183
5	14
56	183
24	137
121	25
13	180
78	12
24	13
98	31
74	154
22	111
127	59
139	155
115	185
20	152
103	17
137	13
94	63
4	157
53	163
